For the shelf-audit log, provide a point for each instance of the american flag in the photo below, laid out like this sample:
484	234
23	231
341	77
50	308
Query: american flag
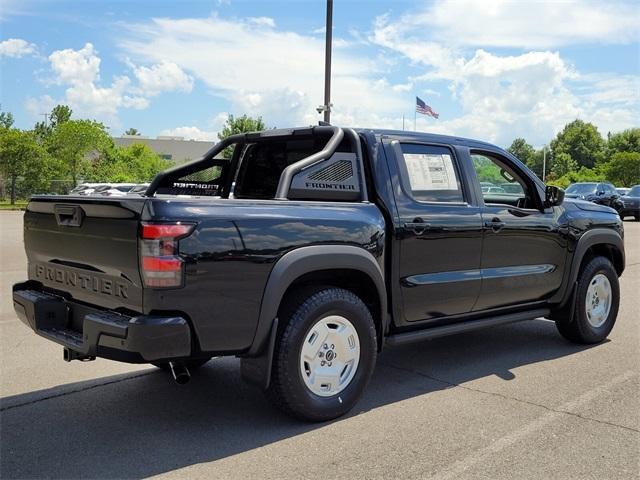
425	109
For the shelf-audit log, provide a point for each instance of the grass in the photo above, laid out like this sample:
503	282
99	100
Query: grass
19	205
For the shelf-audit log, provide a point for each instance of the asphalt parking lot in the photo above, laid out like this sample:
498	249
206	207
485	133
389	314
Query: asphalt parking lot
512	402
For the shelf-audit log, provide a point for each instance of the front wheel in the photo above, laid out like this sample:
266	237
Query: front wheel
597	302
324	356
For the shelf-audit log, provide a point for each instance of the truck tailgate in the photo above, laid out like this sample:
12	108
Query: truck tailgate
86	248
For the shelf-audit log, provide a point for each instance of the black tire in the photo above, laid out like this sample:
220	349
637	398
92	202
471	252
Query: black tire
299	314
637	217
578	329
190	364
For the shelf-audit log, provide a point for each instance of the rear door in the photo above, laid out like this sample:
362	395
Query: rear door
438	232
86	248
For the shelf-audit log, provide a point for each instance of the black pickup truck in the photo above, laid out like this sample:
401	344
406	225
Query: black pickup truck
310	250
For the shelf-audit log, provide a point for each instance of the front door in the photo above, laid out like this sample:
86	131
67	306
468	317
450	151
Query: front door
438	233
524	248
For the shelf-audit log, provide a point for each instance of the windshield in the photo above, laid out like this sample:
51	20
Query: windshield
582	188
634	192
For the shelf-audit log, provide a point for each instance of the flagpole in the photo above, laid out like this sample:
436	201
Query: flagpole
415	114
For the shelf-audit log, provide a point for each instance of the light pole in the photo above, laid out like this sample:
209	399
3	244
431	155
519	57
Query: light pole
544	161
326	108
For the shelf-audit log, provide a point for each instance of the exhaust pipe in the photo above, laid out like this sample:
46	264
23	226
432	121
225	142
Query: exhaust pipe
180	373
68	355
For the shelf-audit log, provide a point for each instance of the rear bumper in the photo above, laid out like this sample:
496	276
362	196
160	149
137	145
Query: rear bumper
101	333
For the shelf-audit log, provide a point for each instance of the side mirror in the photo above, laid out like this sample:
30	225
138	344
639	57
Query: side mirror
553	196
600	192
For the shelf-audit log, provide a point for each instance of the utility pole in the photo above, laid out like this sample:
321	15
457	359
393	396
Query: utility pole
544	161
326	108
46	117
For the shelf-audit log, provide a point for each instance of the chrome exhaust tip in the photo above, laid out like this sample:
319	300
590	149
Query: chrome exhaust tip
180	373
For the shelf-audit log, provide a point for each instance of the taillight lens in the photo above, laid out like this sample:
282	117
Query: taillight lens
162	266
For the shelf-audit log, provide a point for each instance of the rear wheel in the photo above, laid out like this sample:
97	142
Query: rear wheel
324	356
597	302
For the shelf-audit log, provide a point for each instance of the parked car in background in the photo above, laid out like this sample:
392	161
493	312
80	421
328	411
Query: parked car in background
84	189
631	204
622	191
138	189
596	192
114	189
512	188
493	189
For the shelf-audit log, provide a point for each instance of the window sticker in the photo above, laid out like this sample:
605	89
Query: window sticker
431	172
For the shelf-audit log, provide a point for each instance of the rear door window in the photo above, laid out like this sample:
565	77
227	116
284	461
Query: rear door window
429	173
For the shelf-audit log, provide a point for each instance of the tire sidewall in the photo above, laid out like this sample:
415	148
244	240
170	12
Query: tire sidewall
349	306
598	265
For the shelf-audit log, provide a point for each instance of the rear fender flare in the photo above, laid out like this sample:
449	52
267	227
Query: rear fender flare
256	363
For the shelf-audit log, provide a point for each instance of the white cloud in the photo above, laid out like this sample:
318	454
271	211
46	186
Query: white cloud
75	67
38	106
162	77
264	71
79	72
532	94
16	48
191	133
262	21
500	95
510	23
623	90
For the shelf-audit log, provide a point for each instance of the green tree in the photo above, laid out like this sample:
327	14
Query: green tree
581	141
6	120
522	150
21	155
623	169
241	124
77	144
625	141
59	115
583	174
134	163
132	131
563	164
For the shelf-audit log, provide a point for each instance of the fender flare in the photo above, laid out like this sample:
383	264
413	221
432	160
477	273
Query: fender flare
597	236
256	363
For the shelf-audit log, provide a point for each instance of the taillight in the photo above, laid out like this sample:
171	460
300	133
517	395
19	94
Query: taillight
162	266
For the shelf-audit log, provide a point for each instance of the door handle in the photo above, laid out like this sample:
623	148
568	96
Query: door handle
418	226
495	224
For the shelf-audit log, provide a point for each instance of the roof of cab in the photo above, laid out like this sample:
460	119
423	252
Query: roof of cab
429	137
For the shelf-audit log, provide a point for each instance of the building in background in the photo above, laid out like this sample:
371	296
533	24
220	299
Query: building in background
175	149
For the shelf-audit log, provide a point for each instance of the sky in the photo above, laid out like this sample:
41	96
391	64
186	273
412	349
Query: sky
493	70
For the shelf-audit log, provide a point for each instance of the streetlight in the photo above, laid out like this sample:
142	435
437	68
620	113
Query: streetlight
326	108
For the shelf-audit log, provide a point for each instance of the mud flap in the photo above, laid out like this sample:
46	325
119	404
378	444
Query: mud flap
257	370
